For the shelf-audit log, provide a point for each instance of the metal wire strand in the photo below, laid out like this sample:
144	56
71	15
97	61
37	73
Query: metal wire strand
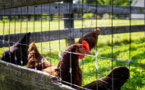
3	32
41	35
9	32
112	43
50	41
34	31
130	1
82	36
96	46
15	28
21	61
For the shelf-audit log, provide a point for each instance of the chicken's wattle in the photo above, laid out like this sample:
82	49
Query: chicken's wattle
81	56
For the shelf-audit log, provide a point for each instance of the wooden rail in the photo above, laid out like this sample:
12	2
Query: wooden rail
55	8
66	34
19	3
15	77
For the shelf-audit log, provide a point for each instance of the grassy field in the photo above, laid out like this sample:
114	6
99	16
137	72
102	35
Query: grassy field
9	27
121	44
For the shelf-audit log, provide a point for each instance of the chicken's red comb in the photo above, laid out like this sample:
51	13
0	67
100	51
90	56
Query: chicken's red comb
86	45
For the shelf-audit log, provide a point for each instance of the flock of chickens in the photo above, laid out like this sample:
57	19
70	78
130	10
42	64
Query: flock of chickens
18	54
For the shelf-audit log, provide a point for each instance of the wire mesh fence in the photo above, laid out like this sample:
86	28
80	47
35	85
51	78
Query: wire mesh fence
52	46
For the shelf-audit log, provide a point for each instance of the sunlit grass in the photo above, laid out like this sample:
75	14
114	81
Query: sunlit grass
10	27
121	44
121	49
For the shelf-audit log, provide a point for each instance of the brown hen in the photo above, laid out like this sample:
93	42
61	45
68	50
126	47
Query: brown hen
35	59
113	81
68	68
18	53
91	38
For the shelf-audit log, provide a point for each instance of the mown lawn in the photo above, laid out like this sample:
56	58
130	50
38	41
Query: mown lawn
120	47
9	27
121	51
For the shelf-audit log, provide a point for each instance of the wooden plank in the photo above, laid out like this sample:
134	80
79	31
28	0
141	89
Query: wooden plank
19	3
117	9
27	79
63	34
37	9
55	8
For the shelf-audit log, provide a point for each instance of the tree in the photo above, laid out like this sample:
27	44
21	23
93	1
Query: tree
109	2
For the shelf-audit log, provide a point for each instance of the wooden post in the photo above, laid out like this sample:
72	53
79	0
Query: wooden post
19	17
1	17
51	17
10	17
28	17
69	23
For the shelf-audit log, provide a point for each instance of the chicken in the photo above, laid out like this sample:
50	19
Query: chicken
68	68
35	59
118	75
18	53
51	70
91	38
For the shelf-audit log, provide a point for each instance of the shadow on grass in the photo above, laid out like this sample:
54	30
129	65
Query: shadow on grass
136	79
136	57
133	48
122	42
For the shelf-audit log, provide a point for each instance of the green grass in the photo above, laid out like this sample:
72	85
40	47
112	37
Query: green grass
10	27
120	51
121	44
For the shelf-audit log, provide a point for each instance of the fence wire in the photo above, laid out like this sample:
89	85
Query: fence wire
58	47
